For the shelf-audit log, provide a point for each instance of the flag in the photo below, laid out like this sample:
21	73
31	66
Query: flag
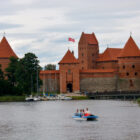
71	39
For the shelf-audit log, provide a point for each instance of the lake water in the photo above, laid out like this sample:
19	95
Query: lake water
52	120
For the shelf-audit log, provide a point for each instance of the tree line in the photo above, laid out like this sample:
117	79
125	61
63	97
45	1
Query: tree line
21	76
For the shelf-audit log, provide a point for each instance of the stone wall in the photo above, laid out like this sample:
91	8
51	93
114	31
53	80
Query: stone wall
109	84
50	85
128	84
98	84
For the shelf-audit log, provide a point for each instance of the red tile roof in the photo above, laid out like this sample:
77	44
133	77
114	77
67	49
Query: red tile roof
91	38
49	71
68	58
109	54
130	49
5	49
98	71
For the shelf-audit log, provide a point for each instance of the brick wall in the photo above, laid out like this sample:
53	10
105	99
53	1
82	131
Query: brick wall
98	84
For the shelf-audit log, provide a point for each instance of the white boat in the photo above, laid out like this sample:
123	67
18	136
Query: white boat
31	98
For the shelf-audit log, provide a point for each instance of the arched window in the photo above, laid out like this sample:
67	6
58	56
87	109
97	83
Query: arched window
69	71
123	66
133	66
127	74
136	73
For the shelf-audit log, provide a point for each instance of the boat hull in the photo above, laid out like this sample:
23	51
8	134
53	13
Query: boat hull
85	118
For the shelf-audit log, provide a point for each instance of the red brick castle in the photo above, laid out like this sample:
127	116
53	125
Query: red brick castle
113	70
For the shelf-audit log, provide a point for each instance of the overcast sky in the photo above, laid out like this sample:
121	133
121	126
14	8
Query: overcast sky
43	26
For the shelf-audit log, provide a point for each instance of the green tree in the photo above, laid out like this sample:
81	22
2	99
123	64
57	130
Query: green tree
11	70
28	73
1	74
50	67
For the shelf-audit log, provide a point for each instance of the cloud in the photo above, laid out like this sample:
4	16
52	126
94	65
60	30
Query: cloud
43	26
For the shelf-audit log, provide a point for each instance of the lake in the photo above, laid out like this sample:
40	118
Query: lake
52	120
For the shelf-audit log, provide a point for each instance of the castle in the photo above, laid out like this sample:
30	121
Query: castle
113	70
116	69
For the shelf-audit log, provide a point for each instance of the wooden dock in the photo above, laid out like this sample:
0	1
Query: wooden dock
114	95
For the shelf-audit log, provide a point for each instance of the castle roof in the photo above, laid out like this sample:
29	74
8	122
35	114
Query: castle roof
130	49
5	49
68	58
91	38
110	54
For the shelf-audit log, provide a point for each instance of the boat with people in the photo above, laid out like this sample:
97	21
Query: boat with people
84	115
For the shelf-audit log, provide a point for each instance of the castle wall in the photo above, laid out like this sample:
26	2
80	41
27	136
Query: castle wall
107	65
132	84
51	82
98	84
129	67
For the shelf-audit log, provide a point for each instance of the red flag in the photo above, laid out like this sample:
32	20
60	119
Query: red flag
71	39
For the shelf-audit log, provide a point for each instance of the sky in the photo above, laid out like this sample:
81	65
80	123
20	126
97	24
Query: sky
44	26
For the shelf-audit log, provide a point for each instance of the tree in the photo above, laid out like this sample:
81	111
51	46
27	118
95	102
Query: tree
28	73
50	67
1	74
11	70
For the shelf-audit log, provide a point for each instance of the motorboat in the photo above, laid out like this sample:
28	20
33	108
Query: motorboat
90	117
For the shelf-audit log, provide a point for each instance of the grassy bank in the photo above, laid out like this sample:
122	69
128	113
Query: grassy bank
138	100
12	98
80	97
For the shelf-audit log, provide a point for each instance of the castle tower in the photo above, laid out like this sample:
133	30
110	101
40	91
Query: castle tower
88	51
69	73
5	53
129	60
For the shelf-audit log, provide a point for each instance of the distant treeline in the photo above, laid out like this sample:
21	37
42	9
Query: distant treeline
21	76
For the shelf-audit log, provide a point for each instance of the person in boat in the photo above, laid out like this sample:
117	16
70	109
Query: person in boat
81	113
87	112
77	112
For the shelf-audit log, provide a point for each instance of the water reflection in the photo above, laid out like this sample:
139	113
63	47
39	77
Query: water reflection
118	120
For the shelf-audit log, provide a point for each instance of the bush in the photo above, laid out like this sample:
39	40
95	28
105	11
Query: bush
138	100
12	98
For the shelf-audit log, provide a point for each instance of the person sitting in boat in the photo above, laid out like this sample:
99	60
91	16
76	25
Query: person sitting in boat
87	112
77	112
81	113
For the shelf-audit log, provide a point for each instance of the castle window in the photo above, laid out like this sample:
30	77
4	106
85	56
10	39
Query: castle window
123	66
133	66
127	74
136	73
69	71
82	54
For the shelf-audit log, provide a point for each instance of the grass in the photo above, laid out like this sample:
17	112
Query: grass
12	98
138	100
80	97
